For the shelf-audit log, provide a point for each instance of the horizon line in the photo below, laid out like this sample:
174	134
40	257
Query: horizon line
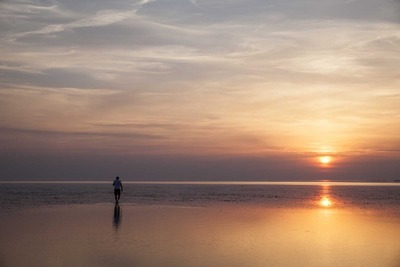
305	183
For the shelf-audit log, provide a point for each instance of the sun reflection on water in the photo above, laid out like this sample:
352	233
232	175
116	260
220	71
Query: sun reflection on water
325	202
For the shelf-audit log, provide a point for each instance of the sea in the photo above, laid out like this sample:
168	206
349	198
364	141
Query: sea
363	195
200	224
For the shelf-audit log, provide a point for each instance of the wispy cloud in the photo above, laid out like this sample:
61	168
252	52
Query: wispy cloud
65	134
102	18
144	2
24	8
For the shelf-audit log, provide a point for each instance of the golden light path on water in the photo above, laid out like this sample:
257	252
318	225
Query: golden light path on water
325	202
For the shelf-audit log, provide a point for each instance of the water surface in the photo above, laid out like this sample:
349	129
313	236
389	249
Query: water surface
76	224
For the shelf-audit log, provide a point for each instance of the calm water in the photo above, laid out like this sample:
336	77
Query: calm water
295	194
70	224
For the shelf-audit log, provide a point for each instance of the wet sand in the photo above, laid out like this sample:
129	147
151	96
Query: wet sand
215	235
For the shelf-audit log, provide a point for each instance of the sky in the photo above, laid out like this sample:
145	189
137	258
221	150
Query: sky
200	90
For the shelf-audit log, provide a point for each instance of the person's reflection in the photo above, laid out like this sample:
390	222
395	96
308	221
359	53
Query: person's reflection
117	217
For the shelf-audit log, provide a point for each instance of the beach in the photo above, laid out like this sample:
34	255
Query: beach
166	228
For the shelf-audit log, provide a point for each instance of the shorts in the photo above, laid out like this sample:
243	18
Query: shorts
117	192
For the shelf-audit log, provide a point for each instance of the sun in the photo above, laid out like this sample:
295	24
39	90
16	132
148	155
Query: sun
325	160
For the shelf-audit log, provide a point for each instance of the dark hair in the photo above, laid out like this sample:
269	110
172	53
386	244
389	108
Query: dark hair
117	178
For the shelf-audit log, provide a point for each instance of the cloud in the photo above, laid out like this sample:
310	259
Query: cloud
24	8
51	133
102	18
144	2
53	78
132	125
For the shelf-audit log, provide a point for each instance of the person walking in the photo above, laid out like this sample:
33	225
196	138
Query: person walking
117	189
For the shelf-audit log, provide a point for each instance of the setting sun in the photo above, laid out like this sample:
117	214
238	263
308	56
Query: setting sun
325	159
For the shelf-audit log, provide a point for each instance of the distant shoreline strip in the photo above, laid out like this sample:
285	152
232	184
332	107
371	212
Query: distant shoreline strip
288	183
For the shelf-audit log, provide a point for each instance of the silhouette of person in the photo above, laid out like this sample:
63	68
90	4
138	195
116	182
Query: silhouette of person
117	189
